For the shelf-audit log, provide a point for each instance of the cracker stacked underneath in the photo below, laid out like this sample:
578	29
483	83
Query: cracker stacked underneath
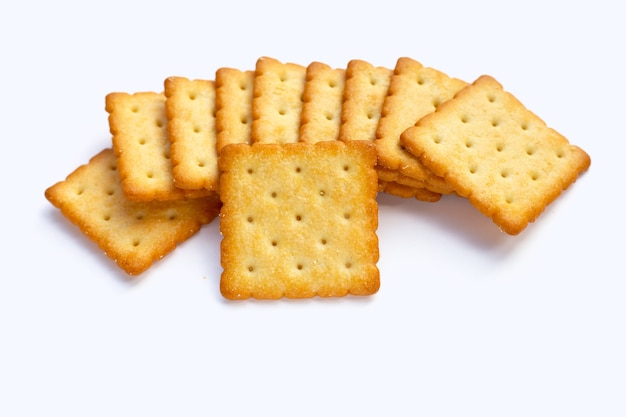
292	158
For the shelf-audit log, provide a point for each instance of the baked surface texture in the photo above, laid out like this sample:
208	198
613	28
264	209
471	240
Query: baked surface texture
133	234
491	149
414	91
138	123
234	91
322	102
364	92
190	110
277	103
299	220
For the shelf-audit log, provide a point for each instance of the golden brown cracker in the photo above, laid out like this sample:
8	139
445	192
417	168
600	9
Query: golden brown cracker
364	92
414	91
421	190
299	220
190	110
233	95
432	183
322	101
133	234
138	123
277	103
394	176
394	183
406	191
497	153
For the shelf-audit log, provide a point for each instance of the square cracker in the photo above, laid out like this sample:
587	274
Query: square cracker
364	92
322	100
133	234
299	220
414	91
190	110
233	99
138	123
277	103
497	153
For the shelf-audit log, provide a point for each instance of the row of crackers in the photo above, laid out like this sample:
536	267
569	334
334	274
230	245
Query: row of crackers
432	134
192	120
168	143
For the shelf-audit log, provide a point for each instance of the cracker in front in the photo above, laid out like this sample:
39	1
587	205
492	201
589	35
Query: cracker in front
133	234
299	220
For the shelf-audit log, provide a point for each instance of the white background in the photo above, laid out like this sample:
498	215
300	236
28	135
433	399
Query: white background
468	321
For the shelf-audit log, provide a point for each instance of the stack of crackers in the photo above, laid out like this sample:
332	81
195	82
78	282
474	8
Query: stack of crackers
292	157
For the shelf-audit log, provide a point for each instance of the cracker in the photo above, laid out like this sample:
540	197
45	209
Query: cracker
299	220
392	182
497	153
414	91
138	123
388	175
406	191
133	234
433	183
190	110
277	102
233	99
322	100
364	92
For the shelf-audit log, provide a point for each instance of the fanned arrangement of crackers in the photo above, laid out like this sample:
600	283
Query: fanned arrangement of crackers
291	158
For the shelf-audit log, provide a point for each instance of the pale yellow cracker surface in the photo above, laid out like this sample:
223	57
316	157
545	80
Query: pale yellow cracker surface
133	234
277	103
138	123
321	108
497	153
414	91
299	220
233	95
190	110
364	92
